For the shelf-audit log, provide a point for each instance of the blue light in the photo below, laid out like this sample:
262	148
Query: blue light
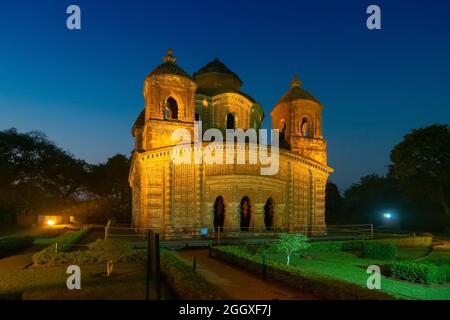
387	215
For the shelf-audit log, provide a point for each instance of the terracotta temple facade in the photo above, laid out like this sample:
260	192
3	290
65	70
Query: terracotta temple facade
179	197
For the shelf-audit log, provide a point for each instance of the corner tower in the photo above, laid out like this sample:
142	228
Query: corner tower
298	117
169	94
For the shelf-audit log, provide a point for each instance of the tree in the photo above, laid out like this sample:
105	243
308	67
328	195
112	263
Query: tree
108	183
364	201
421	164
333	203
291	244
36	175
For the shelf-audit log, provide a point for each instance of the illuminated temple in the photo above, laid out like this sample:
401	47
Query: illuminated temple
178	197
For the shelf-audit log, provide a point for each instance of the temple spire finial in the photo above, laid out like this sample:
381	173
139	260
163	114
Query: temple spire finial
296	82
170	57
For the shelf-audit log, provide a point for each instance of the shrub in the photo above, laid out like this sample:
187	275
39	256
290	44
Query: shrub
14	244
426	273
443	264
356	245
379	250
411	242
44	256
99	251
327	246
111	249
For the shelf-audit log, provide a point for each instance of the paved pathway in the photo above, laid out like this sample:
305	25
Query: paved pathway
240	284
20	260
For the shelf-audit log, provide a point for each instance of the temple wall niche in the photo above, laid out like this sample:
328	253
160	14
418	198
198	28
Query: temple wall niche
184	196
319	202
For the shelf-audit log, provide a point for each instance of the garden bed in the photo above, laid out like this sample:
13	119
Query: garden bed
309	282
340	274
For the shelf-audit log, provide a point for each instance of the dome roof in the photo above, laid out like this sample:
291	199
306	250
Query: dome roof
297	92
169	66
216	66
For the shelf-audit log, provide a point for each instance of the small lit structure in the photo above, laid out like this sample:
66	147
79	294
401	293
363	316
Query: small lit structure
390	219
58	218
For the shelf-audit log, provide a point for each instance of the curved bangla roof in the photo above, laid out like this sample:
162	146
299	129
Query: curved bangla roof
216	66
169	66
297	92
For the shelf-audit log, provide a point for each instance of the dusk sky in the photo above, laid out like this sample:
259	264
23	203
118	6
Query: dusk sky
83	88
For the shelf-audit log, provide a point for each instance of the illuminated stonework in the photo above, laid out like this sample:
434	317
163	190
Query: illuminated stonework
174	198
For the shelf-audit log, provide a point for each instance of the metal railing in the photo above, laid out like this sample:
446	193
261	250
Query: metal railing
238	234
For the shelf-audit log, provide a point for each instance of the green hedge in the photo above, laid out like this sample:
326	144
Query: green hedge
186	283
386	250
10	245
442	263
327	246
420	272
357	245
99	251
412	242
309	282
66	243
375	249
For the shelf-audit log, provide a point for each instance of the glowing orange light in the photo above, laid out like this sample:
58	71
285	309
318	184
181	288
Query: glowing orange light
50	222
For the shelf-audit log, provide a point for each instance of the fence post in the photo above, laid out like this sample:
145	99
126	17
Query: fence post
107	229
264	266
156	269
371	230
149	265
56	247
209	247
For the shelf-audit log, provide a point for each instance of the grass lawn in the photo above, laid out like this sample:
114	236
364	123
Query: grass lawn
50	283
351	268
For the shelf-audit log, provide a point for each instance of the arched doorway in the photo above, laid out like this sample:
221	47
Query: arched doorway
171	110
306	128
219	214
246	213
231	121
268	214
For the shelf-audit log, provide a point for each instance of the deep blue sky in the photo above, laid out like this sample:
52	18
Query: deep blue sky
84	88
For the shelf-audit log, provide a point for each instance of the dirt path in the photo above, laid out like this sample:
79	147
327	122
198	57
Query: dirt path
240	284
19	260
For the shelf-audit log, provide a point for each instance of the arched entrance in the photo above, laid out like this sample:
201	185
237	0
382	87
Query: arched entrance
246	213
268	214
171	109
231	121
219	214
